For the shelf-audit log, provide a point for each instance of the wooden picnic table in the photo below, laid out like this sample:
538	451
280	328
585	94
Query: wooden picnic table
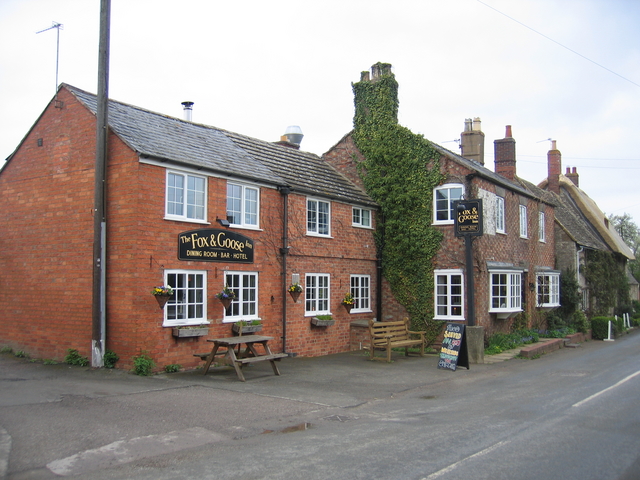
249	355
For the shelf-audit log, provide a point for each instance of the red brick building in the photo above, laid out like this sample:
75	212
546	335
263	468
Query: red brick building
187	205
514	259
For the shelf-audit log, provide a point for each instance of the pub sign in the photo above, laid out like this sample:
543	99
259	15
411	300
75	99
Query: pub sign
215	245
467	217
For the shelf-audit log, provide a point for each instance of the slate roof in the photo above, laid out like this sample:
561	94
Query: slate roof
157	136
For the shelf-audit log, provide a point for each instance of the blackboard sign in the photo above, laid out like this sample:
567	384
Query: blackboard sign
215	245
454	348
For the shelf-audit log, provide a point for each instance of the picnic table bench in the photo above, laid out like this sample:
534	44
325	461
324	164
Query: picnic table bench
388	335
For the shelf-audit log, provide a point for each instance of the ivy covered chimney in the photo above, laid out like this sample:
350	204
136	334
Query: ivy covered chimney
384	101
505	155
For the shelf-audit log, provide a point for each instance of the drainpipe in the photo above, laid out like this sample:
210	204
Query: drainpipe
379	249
284	191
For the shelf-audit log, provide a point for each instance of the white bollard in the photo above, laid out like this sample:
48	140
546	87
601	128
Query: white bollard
609	339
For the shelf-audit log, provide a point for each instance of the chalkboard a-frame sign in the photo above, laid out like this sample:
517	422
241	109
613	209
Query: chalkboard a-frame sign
454	348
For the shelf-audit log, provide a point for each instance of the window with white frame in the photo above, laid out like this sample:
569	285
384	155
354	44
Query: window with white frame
541	227
186	196
548	288
524	230
188	304
245	287
318	217
316	294
243	205
361	217
449	295
443	198
500	217
361	292
505	291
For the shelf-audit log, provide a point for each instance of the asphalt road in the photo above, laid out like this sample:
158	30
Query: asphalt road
572	414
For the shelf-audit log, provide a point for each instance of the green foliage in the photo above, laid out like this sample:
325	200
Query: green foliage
399	171
499	342
555	321
559	332
74	358
172	368
6	349
143	364
21	354
579	322
570	294
324	317
110	358
600	327
606	280
48	361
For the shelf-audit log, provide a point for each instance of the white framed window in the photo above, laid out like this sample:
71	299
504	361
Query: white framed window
186	197
449	295
500	217
188	304
318	217
506	292
524	230
361	217
548	289
361	291
443	198
245	305
243	205
316	294
542	232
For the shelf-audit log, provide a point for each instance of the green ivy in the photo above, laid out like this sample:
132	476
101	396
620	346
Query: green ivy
606	280
400	169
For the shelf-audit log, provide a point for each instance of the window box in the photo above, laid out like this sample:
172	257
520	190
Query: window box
322	321
195	331
243	328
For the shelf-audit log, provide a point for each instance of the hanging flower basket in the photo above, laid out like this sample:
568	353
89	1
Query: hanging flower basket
162	294
348	302
295	290
226	296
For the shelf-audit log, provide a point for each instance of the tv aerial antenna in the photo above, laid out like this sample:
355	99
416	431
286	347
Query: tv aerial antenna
58	27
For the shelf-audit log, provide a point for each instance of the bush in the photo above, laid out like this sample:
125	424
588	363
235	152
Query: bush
600	327
74	358
110	359
579	321
143	364
499	342
172	368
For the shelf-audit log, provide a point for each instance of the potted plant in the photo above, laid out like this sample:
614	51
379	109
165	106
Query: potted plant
162	294
190	330
243	326
322	320
226	296
348	302
295	290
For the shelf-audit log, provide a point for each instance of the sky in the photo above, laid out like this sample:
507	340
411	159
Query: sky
567	70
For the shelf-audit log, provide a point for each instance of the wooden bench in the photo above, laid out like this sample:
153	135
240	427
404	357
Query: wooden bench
388	335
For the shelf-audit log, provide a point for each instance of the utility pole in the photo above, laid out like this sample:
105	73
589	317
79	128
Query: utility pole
98	331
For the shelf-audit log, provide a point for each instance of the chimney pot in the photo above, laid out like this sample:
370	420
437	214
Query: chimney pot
553	145
508	133
476	124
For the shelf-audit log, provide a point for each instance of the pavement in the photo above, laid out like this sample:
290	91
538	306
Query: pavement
306	384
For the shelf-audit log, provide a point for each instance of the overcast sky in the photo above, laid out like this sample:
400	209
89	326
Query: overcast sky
568	70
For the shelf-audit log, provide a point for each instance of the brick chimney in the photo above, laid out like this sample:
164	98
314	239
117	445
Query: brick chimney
505	155
573	176
554	167
472	141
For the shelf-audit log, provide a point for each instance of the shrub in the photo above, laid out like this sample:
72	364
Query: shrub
6	349
110	359
579	321
21	354
499	342
600	327
172	368
74	358
143	364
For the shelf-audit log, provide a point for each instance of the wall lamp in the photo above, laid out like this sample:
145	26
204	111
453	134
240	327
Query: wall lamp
223	222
